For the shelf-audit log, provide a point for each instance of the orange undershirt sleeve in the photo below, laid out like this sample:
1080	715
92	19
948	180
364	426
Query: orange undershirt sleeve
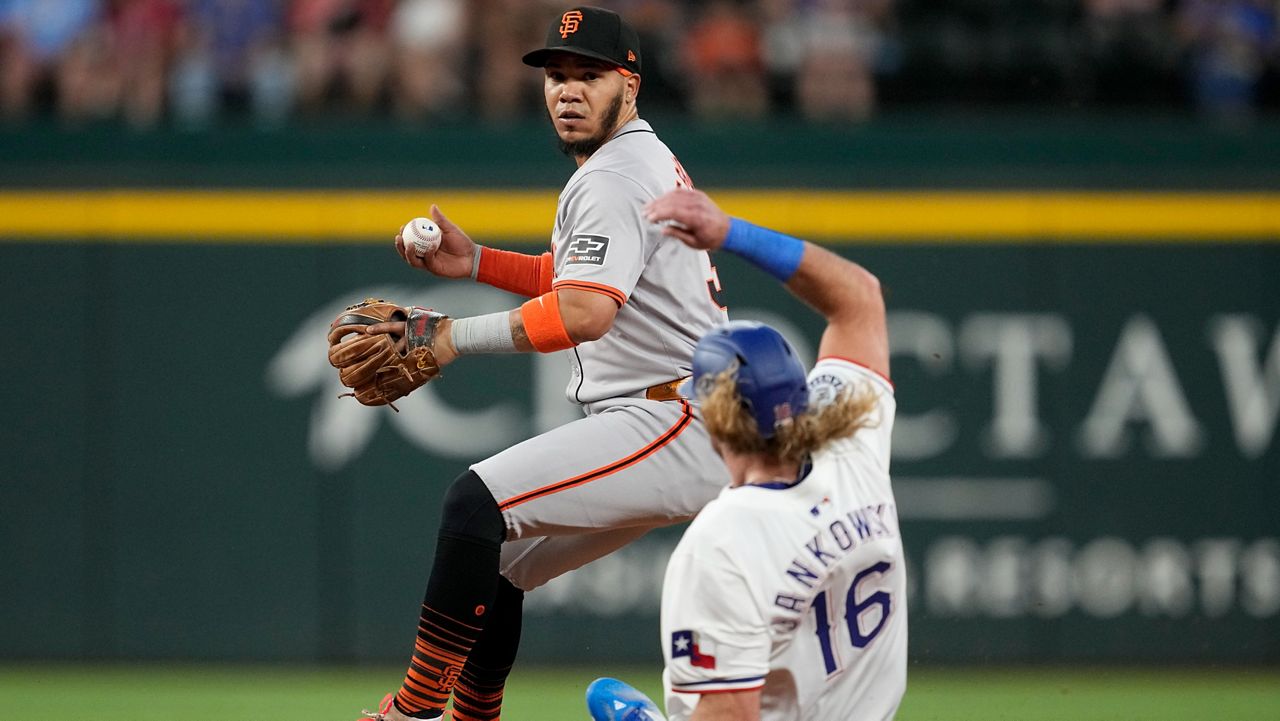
520	273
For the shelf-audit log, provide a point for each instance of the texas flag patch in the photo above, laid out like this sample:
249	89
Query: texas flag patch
684	644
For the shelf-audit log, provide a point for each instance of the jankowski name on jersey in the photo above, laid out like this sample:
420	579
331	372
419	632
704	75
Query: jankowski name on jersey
844	534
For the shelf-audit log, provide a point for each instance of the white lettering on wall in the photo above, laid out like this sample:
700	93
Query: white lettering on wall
1140	387
1164	579
1252	390
1015	345
1104	578
1260	579
1050	574
1003	592
928	340
1216	560
952	569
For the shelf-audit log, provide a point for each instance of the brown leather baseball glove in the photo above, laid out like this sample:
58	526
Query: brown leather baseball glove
381	368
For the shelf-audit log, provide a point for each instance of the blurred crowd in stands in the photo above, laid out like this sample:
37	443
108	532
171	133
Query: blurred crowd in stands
192	62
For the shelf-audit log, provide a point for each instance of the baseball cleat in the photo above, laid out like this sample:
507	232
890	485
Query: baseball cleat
609	699
384	708
388	712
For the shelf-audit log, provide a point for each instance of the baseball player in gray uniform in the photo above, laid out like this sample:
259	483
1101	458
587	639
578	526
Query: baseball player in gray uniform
627	308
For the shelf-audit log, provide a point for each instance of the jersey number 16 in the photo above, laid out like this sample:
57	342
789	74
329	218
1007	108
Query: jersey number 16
854	610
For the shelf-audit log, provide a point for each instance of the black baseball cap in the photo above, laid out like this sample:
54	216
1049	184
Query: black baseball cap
592	32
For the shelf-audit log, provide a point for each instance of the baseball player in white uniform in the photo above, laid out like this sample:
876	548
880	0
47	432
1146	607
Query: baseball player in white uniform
627	307
786	597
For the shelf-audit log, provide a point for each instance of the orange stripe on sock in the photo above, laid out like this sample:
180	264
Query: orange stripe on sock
423	685
686	417
483	712
463	714
466	703
430	648
421	643
451	619
417	699
444	657
481	697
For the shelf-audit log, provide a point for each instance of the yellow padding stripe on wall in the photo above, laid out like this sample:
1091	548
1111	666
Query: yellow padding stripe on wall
309	216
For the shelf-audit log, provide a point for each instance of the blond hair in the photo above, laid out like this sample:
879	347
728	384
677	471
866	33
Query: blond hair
729	421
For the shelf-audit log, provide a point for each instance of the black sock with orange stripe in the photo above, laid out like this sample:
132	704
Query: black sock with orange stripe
478	695
475	699
460	592
463	582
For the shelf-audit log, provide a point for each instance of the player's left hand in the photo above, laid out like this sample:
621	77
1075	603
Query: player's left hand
384	352
690	216
441	346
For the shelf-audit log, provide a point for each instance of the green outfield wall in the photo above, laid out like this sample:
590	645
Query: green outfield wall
928	150
1086	457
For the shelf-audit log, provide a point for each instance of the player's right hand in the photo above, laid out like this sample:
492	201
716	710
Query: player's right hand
691	216
454	256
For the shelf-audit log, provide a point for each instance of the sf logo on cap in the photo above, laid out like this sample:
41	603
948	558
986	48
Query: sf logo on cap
569	23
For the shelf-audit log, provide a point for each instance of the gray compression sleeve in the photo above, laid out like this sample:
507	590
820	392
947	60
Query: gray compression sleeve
483	334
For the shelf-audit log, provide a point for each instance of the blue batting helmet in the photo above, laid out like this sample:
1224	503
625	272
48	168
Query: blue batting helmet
770	377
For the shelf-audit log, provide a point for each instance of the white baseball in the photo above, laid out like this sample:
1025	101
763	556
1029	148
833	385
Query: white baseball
424	234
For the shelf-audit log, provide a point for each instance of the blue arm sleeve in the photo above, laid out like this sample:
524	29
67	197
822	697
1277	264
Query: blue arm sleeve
777	254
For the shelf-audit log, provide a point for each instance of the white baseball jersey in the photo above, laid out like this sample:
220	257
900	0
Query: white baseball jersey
799	589
603	243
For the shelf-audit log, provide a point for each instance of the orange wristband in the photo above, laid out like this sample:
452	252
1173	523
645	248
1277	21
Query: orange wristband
543	324
527	275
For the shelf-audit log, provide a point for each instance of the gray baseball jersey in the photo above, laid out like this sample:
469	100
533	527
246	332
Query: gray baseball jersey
799	590
602	243
583	490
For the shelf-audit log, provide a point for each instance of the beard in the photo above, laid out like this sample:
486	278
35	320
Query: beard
587	147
